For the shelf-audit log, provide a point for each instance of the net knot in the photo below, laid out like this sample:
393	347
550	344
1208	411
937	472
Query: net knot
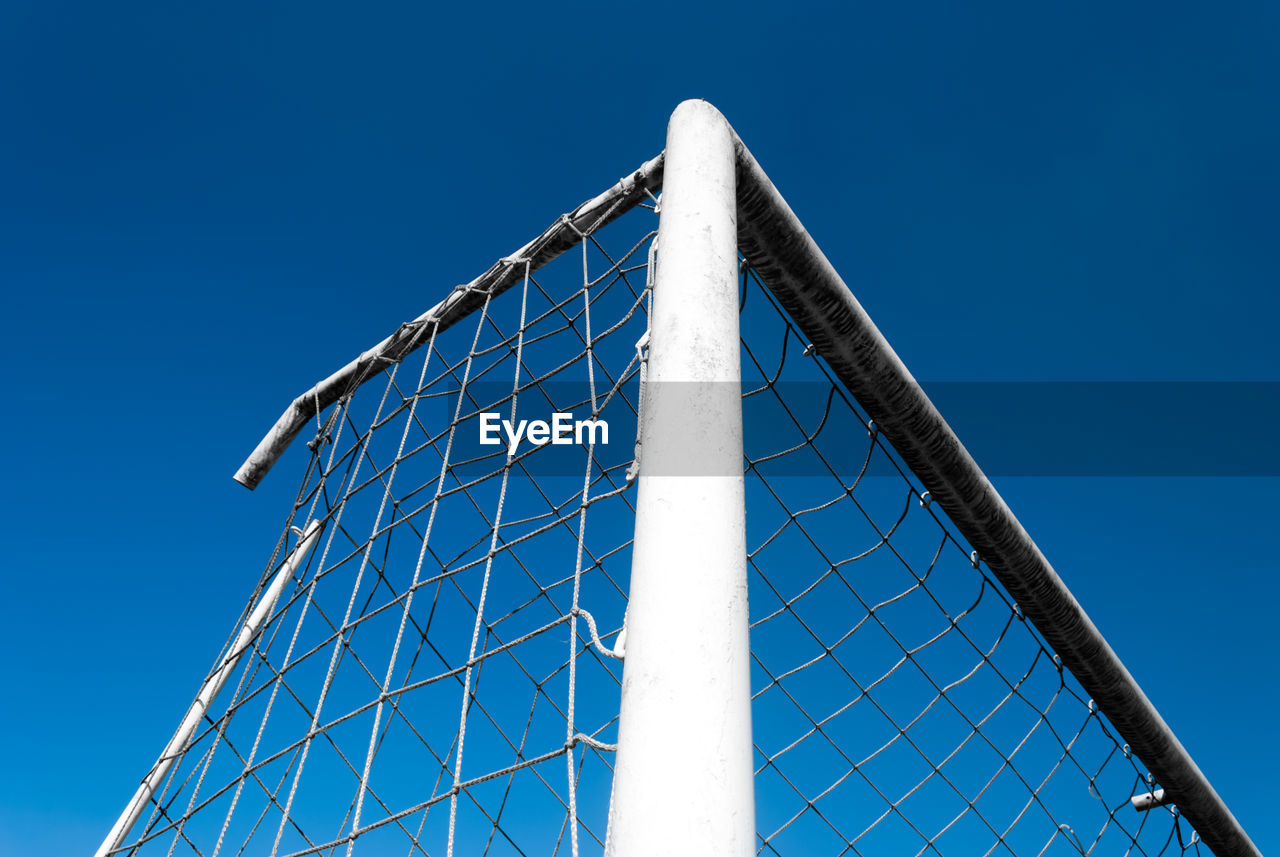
567	220
322	433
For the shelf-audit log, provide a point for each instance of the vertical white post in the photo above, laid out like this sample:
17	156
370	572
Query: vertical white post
683	778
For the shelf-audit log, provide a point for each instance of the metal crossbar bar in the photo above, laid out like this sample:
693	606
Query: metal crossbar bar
813	294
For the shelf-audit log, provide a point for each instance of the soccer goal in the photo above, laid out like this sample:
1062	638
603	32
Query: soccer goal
645	542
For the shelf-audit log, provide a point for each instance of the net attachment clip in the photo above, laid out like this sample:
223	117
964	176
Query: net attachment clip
642	357
1151	800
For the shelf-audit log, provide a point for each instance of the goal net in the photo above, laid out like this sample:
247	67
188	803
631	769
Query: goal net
434	660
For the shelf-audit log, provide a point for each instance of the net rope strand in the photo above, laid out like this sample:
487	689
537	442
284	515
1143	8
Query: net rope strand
488	566
901	703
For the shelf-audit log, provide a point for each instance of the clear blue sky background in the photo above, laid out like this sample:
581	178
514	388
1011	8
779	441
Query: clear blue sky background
203	212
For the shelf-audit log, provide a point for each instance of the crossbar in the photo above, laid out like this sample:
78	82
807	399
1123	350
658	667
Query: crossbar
787	259
565	234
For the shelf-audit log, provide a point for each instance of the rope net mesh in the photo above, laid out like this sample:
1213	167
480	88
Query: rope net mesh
439	676
902	703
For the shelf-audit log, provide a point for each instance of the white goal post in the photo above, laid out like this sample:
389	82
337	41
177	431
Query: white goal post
683	779
686	689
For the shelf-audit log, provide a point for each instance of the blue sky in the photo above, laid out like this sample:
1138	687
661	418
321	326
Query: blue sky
204	211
